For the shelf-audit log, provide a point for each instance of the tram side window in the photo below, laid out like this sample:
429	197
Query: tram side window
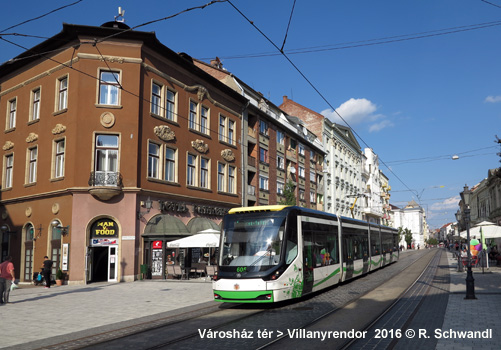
387	242
323	242
356	243
375	243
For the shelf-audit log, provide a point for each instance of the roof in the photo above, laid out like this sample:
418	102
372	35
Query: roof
71	36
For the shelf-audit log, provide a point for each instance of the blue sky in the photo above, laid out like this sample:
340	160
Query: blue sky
407	76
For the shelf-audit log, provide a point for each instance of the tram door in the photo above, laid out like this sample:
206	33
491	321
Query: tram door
307	261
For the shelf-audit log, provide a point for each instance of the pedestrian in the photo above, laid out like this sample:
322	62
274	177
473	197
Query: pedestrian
47	268
7	278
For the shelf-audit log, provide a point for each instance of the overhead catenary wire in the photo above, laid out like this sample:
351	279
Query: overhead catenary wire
371	42
313	87
41	16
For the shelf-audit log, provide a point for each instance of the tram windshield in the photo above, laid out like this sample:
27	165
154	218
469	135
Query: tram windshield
252	240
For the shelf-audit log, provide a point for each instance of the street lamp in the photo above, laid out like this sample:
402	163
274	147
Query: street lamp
460	263
470	281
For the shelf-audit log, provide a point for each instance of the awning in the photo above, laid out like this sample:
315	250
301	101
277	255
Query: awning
488	229
165	225
200	240
199	224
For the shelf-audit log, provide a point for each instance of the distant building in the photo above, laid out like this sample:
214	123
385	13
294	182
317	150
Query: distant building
412	217
343	165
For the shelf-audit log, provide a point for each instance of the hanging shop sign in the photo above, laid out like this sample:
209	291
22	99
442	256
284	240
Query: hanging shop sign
104	228
157	245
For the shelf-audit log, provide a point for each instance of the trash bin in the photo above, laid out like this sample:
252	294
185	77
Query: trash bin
144	271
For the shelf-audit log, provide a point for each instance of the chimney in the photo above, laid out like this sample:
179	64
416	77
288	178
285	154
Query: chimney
216	63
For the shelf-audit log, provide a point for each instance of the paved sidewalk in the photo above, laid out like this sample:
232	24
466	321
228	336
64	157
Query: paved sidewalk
35	313
481	314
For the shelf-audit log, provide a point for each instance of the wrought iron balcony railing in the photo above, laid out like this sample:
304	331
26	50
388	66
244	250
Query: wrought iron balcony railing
105	178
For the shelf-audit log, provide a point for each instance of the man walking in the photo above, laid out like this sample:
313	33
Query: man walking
7	277
47	267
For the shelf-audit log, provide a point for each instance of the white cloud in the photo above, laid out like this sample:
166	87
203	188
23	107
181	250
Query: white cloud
493	99
381	125
449	203
358	111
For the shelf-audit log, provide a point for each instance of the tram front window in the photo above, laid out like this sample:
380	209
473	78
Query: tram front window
254	242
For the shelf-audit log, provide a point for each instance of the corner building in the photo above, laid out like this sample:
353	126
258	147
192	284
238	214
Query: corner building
112	147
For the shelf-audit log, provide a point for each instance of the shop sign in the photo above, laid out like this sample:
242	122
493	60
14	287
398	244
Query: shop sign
66	250
102	241
157	245
206	210
173	206
104	228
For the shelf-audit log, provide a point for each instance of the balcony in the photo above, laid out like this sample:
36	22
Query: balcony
251	161
105	184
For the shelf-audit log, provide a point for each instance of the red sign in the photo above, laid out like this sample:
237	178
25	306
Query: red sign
157	244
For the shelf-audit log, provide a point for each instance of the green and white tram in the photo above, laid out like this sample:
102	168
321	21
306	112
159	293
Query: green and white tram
275	253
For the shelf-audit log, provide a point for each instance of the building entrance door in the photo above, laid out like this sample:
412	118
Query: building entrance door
103	265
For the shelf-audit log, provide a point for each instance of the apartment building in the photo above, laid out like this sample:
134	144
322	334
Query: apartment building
113	145
342	168
277	148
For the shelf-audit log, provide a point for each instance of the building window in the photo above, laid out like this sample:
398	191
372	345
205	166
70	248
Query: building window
8	170
170	164
106	160
280	162
35	107
191	170
11	117
231	132
263	183
313	197
301	172
312	156
263	155
156	99
153	160
226	130
170	108
221	170
204	120
32	165
280	187
263	128
109	87
222	128
231	179
301	149
301	195
192	121
312	175
280	138
204	173
62	95
59	158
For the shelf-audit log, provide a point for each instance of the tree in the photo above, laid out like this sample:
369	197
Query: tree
408	237
289	194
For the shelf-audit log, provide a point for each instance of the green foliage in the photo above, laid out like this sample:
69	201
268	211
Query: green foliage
289	194
59	274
